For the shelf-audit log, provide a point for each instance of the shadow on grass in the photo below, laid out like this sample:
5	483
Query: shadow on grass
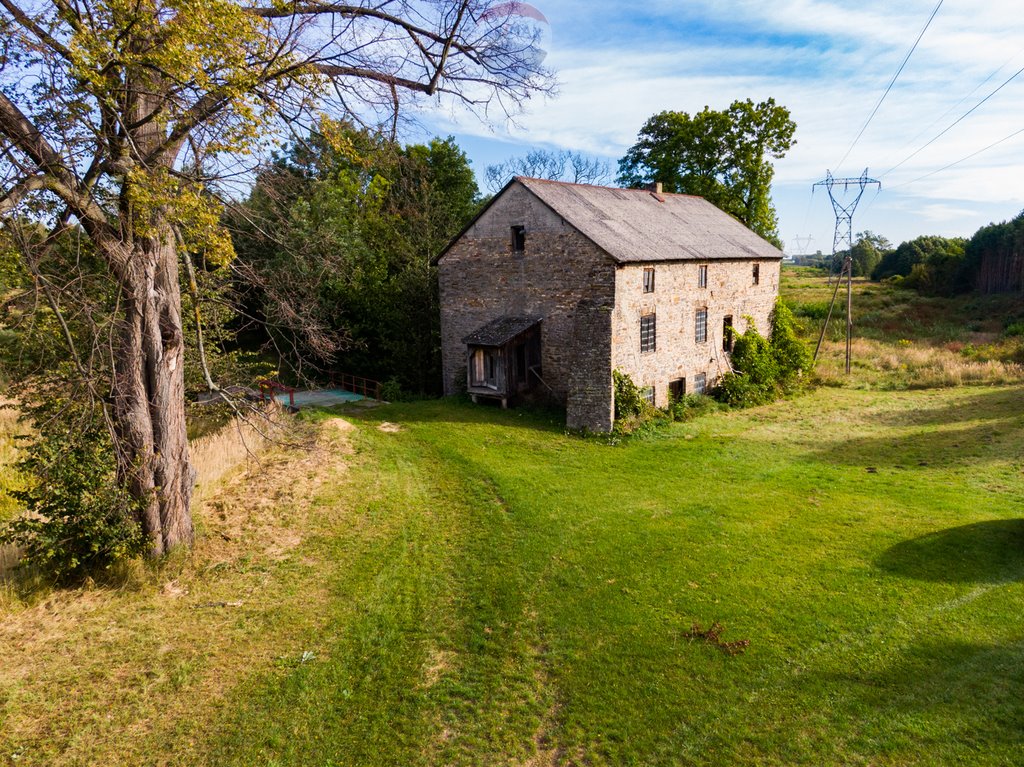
996	405
457	410
968	696
983	552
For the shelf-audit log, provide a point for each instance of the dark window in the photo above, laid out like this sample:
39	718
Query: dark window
727	334
648	395
518	239
757	274
700	383
701	326
702	276
677	389
648	333
648	280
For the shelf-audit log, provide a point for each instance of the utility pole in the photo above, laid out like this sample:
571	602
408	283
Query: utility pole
803	244
844	206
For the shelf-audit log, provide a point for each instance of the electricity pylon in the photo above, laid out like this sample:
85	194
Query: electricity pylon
803	244
844	233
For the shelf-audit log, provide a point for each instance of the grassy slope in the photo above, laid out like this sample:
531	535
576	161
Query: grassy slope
524	593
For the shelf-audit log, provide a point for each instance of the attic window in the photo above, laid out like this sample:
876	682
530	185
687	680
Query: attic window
702	276
757	274
648	280
518	239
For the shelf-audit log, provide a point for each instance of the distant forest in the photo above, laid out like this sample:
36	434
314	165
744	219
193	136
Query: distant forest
992	261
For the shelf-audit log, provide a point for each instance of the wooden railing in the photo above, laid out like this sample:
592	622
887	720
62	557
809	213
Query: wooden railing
357	384
268	389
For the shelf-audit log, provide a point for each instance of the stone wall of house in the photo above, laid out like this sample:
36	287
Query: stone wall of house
482	279
676	298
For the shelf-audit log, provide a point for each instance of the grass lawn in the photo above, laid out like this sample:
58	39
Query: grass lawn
446	584
479	588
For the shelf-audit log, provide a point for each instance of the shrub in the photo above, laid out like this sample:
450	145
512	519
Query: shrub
690	406
763	367
629	398
78	522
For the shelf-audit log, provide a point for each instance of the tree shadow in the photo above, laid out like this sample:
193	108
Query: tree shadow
963	689
964	446
983	552
997	405
458	410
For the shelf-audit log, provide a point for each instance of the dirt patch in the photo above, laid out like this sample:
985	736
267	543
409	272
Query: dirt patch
390	428
340	425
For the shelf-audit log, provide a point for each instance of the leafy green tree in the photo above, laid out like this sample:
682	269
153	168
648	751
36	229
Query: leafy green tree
355	231
723	156
119	117
867	252
932	265
994	258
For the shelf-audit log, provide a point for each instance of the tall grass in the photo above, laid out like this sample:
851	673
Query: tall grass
903	340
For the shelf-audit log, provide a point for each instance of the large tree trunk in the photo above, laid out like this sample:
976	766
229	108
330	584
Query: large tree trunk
149	394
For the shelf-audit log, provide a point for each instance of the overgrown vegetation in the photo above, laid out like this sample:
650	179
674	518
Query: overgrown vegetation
78	520
766	368
903	339
335	246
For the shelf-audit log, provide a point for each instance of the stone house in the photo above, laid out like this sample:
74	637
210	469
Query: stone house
554	285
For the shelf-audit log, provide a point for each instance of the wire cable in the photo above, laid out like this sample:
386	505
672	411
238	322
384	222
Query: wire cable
891	83
962	159
952	125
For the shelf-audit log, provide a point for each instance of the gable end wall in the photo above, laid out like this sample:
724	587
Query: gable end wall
482	279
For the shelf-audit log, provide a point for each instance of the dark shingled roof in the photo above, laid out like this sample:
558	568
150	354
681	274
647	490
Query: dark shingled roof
634	225
500	331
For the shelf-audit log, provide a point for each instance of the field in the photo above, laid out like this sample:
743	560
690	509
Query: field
835	579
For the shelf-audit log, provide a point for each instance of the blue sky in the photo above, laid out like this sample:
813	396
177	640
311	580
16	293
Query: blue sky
618	63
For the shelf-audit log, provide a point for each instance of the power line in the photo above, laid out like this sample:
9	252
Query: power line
962	159
952	125
891	83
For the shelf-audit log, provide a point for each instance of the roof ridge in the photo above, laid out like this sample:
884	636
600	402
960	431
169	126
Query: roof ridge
607	188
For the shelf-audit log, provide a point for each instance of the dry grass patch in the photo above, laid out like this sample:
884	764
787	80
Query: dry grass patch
109	674
879	364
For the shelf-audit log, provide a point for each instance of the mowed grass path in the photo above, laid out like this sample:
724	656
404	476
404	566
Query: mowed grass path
502	593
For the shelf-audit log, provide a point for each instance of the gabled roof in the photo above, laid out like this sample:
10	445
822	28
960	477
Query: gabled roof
634	225
500	331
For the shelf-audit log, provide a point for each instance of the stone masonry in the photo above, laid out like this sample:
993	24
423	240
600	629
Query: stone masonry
590	303
481	279
674	303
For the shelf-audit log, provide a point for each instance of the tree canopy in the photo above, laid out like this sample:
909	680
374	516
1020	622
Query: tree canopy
724	156
127	120
354	233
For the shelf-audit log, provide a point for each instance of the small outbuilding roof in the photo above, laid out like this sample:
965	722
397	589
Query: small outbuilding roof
636	225
500	331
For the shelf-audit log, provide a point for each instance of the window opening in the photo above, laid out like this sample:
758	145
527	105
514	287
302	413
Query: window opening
701	326
727	334
648	280
757	274
648	333
518	239
702	276
700	383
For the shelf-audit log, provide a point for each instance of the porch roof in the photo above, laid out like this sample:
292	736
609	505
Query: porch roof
500	331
